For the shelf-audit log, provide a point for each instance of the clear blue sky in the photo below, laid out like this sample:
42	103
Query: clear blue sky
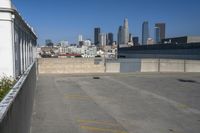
65	19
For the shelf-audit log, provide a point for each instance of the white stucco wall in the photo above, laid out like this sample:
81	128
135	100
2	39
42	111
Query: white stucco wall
5	4
6	56
17	41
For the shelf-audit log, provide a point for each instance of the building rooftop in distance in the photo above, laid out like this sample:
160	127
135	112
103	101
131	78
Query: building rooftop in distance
181	40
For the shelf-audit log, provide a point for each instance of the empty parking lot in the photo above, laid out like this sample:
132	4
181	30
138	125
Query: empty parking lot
117	103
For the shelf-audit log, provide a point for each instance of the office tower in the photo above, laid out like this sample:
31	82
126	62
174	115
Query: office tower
130	38
97	32
145	32
110	39
102	37
136	41
80	38
157	35
120	35
161	26
125	32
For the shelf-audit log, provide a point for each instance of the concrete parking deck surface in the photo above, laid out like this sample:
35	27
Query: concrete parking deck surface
119	103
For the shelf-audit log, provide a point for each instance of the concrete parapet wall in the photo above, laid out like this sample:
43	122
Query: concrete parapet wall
16	108
70	65
168	65
113	67
81	65
149	65
130	65
192	66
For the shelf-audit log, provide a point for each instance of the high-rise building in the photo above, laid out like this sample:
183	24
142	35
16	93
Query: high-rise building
157	35
135	41
130	38
80	38
102	37
110	39
97	32
145	32
161	26
120	35
125	32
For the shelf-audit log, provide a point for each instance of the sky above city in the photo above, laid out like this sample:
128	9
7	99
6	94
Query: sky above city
65	19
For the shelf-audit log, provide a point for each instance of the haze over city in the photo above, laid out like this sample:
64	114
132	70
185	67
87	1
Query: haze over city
65	20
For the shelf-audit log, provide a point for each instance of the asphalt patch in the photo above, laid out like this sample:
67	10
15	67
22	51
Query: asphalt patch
187	81
96	77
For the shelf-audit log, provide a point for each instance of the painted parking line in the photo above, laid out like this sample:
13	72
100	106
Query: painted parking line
98	122
183	106
96	129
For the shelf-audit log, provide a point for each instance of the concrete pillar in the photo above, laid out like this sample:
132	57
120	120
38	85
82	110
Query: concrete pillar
22	53
6	40
5	4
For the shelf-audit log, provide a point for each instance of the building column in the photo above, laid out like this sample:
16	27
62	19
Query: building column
6	41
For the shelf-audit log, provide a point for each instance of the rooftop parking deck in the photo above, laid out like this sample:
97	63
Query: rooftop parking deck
117	103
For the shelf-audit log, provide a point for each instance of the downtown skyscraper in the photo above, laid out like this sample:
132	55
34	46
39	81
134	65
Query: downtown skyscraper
145	32
110	39
161	27
120	35
97	32
157	35
123	33
103	39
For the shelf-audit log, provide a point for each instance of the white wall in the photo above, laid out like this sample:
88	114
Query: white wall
5	4
17	42
6	56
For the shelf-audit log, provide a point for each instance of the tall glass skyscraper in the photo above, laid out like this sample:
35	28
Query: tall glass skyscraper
110	39
125	32
161	26
97	32
102	37
120	35
145	32
157	35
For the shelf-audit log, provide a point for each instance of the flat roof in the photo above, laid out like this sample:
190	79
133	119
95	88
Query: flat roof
123	103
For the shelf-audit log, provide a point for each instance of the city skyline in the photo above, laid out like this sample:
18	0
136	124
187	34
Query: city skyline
71	19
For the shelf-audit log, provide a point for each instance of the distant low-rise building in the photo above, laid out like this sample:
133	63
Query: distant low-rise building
181	40
150	41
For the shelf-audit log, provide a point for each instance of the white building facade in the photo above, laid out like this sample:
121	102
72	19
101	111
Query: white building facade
103	39
17	41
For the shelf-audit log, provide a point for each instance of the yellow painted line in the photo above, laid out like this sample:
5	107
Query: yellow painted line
98	122
95	129
183	106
